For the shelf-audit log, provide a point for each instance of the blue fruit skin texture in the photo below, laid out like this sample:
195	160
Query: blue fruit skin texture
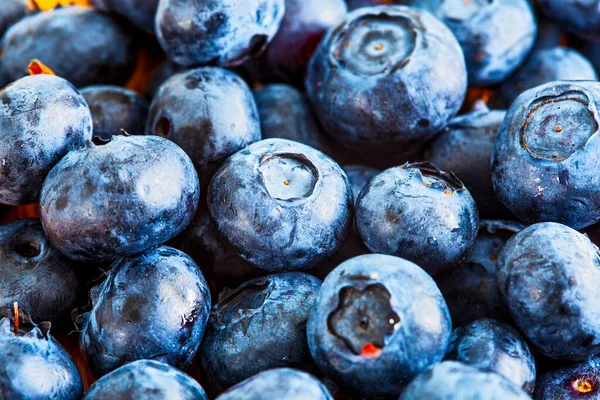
495	346
452	380
259	326
492	50
152	306
371	84
548	275
33	365
148	380
118	199
562	383
11	11
577	16
470	287
163	71
419	213
84	46
544	164
279	383
141	13
465	147
388	302
209	112
429	5
114	108
225	32
42	118
283	205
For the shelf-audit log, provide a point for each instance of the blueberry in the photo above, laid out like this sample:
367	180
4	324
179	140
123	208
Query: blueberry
281	204
470	287
452	380
42	117
151	306
359	177
279	383
429	5
549	275
580	17
11	11
572	381
148	380
84	46
372	84
101	202
544	166
419	213
226	32
377	322
33	365
160	75
141	13
549	33
209	112
114	108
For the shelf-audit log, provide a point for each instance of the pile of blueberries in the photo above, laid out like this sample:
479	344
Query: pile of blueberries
313	199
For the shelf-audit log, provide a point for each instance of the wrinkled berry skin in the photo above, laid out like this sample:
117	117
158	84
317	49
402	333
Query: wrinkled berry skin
161	74
452	380
574	381
283	205
371	84
33	365
549	274
114	108
279	383
42	118
146	379
209	112
118	199
429	5
544	164
579	17
470	287
419	213
225	32
151	306
260	325
141	13
465	147
495	346
11	11
84	46
378	321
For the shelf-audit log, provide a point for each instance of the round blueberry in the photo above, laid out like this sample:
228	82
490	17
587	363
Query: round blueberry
141	13
11	11
578	16
161	74
572	381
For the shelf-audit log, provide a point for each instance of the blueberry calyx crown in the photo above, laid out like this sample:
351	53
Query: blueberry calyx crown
433	177
233	304
25	326
585	385
288	176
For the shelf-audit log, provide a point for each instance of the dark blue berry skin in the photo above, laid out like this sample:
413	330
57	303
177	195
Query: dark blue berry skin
429	5
371	84
419	213
114	108
141	13
84	46
378	321
465	147
452	380
571	382
148	380
209	112
225	32
161	74
279	383
544	164
259	326
470	287
102	202
548	275
33	365
284	206
42	118
151	306
359	176
549	33
11	11
495	346
577	16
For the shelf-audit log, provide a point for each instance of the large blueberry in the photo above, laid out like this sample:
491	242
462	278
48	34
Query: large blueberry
578	16
209	112
549	275
544	164
151	306
84	46
11	11
147	380
141	13
372	84
378	321
226	32
571	382
281	204
419	213
102	202
42	117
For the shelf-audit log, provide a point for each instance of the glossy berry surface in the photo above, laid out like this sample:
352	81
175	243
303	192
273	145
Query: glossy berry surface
572	381
577	16
378	321
160	75
141	13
